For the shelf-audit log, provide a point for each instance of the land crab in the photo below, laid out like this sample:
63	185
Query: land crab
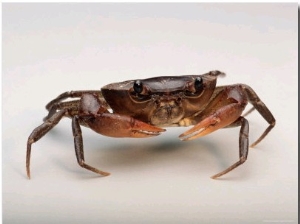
141	108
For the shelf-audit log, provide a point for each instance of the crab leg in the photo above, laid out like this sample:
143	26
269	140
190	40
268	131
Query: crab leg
70	106
78	143
262	109
71	94
243	145
39	132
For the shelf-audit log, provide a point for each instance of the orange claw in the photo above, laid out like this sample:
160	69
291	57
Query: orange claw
204	127
141	129
116	125
220	119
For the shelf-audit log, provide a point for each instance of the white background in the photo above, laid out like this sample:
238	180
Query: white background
52	48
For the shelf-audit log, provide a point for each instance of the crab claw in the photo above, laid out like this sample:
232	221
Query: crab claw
220	119
141	129
204	127
116	125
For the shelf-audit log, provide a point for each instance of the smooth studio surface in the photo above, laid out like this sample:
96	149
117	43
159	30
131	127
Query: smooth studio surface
52	48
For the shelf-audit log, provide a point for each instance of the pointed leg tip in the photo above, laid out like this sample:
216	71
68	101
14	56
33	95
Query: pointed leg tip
214	177
104	174
28	173
100	172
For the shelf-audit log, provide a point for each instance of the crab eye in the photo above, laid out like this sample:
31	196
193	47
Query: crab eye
138	86
195	88
139	92
198	84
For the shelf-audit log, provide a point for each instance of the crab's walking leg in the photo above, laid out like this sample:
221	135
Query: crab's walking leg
71	94
57	103
243	145
39	132
248	112
262	109
78	142
70	106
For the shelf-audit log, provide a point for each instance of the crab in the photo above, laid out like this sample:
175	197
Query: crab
142	108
